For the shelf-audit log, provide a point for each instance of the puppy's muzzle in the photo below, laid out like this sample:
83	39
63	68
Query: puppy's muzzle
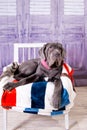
54	59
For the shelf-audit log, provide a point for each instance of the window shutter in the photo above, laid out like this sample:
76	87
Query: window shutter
40	7
73	7
7	7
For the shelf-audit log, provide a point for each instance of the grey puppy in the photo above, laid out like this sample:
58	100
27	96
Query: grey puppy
49	65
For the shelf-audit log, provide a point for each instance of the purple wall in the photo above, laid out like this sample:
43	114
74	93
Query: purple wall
70	30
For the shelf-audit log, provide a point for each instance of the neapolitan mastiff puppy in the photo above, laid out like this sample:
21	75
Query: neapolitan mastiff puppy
49	65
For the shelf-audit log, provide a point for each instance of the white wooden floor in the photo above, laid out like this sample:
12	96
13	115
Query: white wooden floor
78	117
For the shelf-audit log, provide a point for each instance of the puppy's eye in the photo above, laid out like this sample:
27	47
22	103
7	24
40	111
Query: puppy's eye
57	54
50	47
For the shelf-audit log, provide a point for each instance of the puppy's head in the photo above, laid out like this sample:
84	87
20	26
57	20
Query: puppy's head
53	54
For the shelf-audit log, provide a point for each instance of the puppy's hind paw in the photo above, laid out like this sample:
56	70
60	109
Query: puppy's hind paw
14	66
56	103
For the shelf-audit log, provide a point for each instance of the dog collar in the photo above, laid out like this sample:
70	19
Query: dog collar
44	63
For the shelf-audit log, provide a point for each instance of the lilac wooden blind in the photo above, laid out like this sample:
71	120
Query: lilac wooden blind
40	7
7	7
73	7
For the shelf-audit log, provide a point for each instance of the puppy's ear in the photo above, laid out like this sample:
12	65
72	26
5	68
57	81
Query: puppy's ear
42	52
63	52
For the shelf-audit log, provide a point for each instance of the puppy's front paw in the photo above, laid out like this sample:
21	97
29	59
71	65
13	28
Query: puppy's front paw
9	86
57	102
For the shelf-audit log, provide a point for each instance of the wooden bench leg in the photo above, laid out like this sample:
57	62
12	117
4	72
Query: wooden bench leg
67	121
4	119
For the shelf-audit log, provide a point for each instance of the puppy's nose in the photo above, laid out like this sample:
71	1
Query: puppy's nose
56	54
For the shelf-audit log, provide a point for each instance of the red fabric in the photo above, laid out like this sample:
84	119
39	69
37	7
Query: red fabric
70	73
15	81
9	97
